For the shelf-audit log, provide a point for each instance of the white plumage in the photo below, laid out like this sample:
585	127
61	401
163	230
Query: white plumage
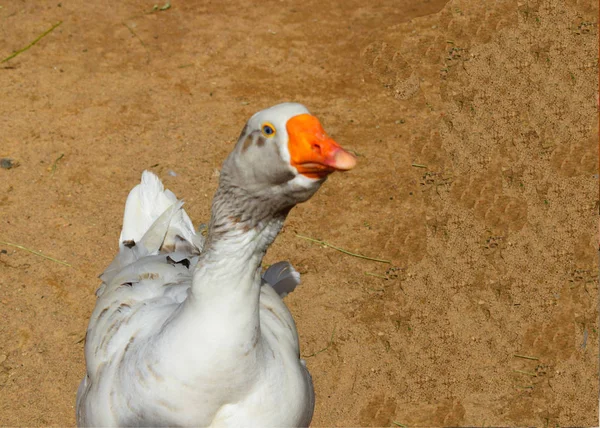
142	289
186	331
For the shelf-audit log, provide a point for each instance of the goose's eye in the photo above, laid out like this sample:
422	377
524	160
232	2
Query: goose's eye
268	130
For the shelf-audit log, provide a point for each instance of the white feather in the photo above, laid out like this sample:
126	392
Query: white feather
145	204
134	377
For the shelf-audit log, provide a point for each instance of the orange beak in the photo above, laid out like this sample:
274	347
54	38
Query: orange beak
313	153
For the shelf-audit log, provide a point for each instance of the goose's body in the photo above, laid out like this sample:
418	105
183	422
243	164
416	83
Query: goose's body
187	332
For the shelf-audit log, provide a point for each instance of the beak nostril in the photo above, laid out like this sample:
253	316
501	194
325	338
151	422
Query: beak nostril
316	146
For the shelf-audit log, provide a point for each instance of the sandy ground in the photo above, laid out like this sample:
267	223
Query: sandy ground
477	139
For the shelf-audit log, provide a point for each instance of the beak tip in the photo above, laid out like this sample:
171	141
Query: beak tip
344	161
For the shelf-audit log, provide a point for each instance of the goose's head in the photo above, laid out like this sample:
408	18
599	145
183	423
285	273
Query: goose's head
284	155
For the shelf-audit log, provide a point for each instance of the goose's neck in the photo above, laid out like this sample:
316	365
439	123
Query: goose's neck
232	255
239	234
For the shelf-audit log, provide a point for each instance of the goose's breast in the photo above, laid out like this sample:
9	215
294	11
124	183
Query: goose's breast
282	396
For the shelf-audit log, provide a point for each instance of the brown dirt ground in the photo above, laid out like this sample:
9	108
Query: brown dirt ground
492	244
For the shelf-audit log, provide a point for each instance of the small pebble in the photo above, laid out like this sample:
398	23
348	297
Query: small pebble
172	173
7	163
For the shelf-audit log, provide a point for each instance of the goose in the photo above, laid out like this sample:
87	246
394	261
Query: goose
186	331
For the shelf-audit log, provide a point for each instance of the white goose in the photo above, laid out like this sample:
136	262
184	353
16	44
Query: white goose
185	332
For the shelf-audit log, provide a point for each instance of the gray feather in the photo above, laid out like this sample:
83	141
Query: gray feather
282	277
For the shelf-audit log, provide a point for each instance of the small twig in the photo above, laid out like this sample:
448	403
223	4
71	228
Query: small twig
14	54
140	40
526	357
526	373
398	424
376	275
418	165
134	34
54	165
325	348
342	250
156	8
36	253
